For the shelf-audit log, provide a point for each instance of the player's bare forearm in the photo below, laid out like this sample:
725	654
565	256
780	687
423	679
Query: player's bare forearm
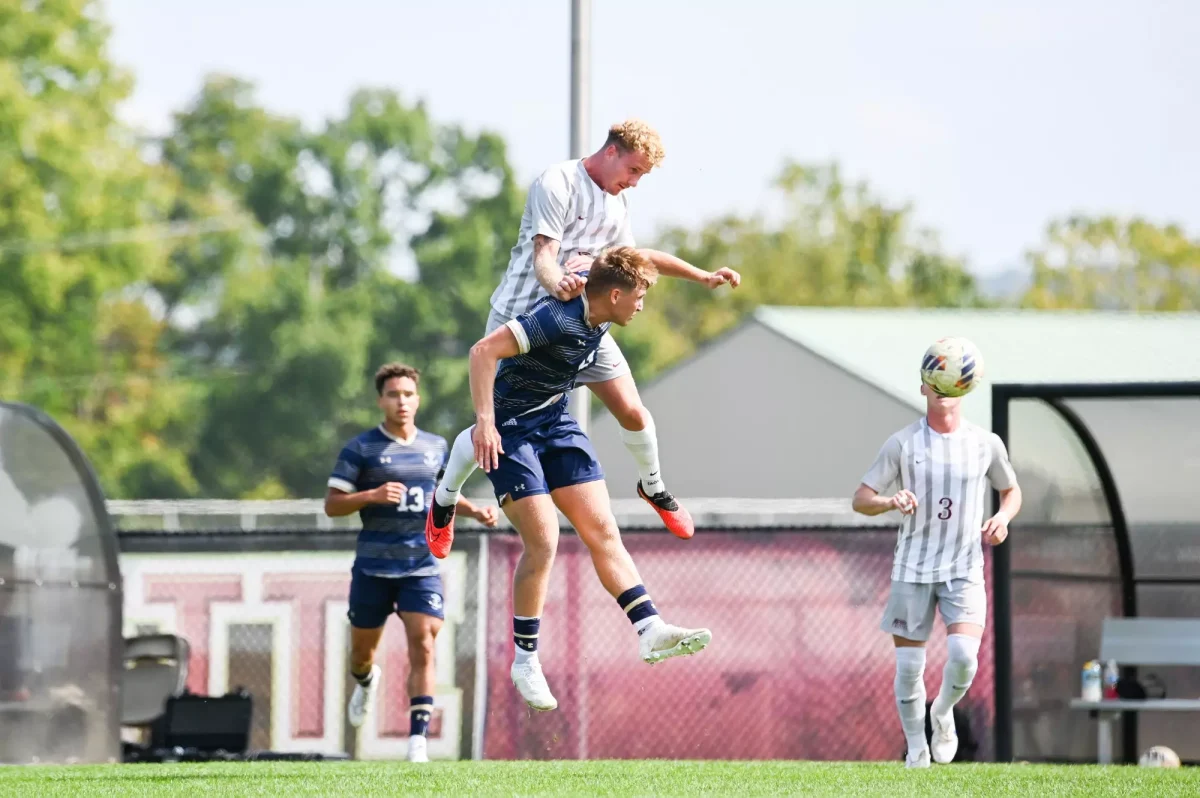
1010	502
338	504
485	356
483	383
670	266
488	515
867	502
545	263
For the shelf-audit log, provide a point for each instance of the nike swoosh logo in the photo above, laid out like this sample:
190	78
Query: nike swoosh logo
653	473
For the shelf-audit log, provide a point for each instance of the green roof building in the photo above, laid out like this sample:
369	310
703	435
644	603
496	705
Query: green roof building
795	402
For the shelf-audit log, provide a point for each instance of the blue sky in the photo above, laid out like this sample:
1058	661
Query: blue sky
990	118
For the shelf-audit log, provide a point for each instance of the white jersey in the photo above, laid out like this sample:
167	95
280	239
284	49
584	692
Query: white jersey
947	473
564	204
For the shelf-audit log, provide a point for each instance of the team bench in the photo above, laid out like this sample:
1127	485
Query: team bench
1142	641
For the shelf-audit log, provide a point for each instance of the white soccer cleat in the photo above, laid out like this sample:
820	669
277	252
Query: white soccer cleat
531	684
418	748
921	760
944	744
663	641
363	699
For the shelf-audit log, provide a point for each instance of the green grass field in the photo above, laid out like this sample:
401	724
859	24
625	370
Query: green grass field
640	778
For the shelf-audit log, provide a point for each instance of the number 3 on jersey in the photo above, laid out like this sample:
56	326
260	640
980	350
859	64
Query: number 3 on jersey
947	511
413	501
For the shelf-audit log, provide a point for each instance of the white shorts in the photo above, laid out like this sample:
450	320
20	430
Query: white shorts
609	364
909	611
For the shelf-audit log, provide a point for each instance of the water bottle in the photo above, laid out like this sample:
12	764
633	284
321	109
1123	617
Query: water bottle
1111	676
1091	681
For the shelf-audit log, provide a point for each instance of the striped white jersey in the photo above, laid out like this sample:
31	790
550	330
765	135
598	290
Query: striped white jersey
947	473
565	204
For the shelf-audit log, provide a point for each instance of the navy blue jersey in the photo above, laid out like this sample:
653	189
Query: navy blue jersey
556	344
392	540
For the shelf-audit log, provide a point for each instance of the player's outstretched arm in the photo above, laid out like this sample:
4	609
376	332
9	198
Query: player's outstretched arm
485	356
571	285
868	502
671	266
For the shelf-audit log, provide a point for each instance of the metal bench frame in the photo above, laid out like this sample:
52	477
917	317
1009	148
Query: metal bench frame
1142	641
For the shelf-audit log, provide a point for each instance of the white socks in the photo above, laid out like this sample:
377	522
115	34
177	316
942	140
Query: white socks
961	664
646	623
910	696
643	445
459	466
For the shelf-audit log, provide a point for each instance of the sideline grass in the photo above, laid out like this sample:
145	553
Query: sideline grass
591	778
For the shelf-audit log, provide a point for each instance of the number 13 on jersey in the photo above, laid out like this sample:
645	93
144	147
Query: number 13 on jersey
412	501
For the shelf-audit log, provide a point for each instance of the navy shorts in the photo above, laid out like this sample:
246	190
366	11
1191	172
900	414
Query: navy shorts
544	456
374	598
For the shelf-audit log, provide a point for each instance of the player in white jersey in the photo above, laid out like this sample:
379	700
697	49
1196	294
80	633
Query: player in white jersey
942	466
575	210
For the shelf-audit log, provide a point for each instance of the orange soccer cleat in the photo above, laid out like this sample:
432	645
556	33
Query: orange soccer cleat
439	529
673	515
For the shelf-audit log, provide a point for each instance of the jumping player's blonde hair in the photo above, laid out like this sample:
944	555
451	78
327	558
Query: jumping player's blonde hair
634	135
621	267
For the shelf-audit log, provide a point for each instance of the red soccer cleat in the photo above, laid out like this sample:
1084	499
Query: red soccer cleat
439	529
676	518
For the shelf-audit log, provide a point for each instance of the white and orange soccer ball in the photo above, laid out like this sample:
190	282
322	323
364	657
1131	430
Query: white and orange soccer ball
952	367
1159	756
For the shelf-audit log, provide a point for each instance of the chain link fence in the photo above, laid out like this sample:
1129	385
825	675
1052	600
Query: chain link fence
798	667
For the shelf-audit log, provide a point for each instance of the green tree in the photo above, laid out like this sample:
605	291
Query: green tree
78	215
1105	262
380	236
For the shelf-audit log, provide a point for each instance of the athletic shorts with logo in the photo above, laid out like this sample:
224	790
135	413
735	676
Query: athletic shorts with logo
374	598
543	451
911	605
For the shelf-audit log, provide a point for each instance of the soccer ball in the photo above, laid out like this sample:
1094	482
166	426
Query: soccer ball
952	367
1159	757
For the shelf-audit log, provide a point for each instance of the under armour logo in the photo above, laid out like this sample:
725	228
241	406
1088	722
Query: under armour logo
581	342
385	459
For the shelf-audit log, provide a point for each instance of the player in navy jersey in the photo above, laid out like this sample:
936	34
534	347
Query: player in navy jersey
538	458
387	476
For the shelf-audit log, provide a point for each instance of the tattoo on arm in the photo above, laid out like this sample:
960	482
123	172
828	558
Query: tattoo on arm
545	262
